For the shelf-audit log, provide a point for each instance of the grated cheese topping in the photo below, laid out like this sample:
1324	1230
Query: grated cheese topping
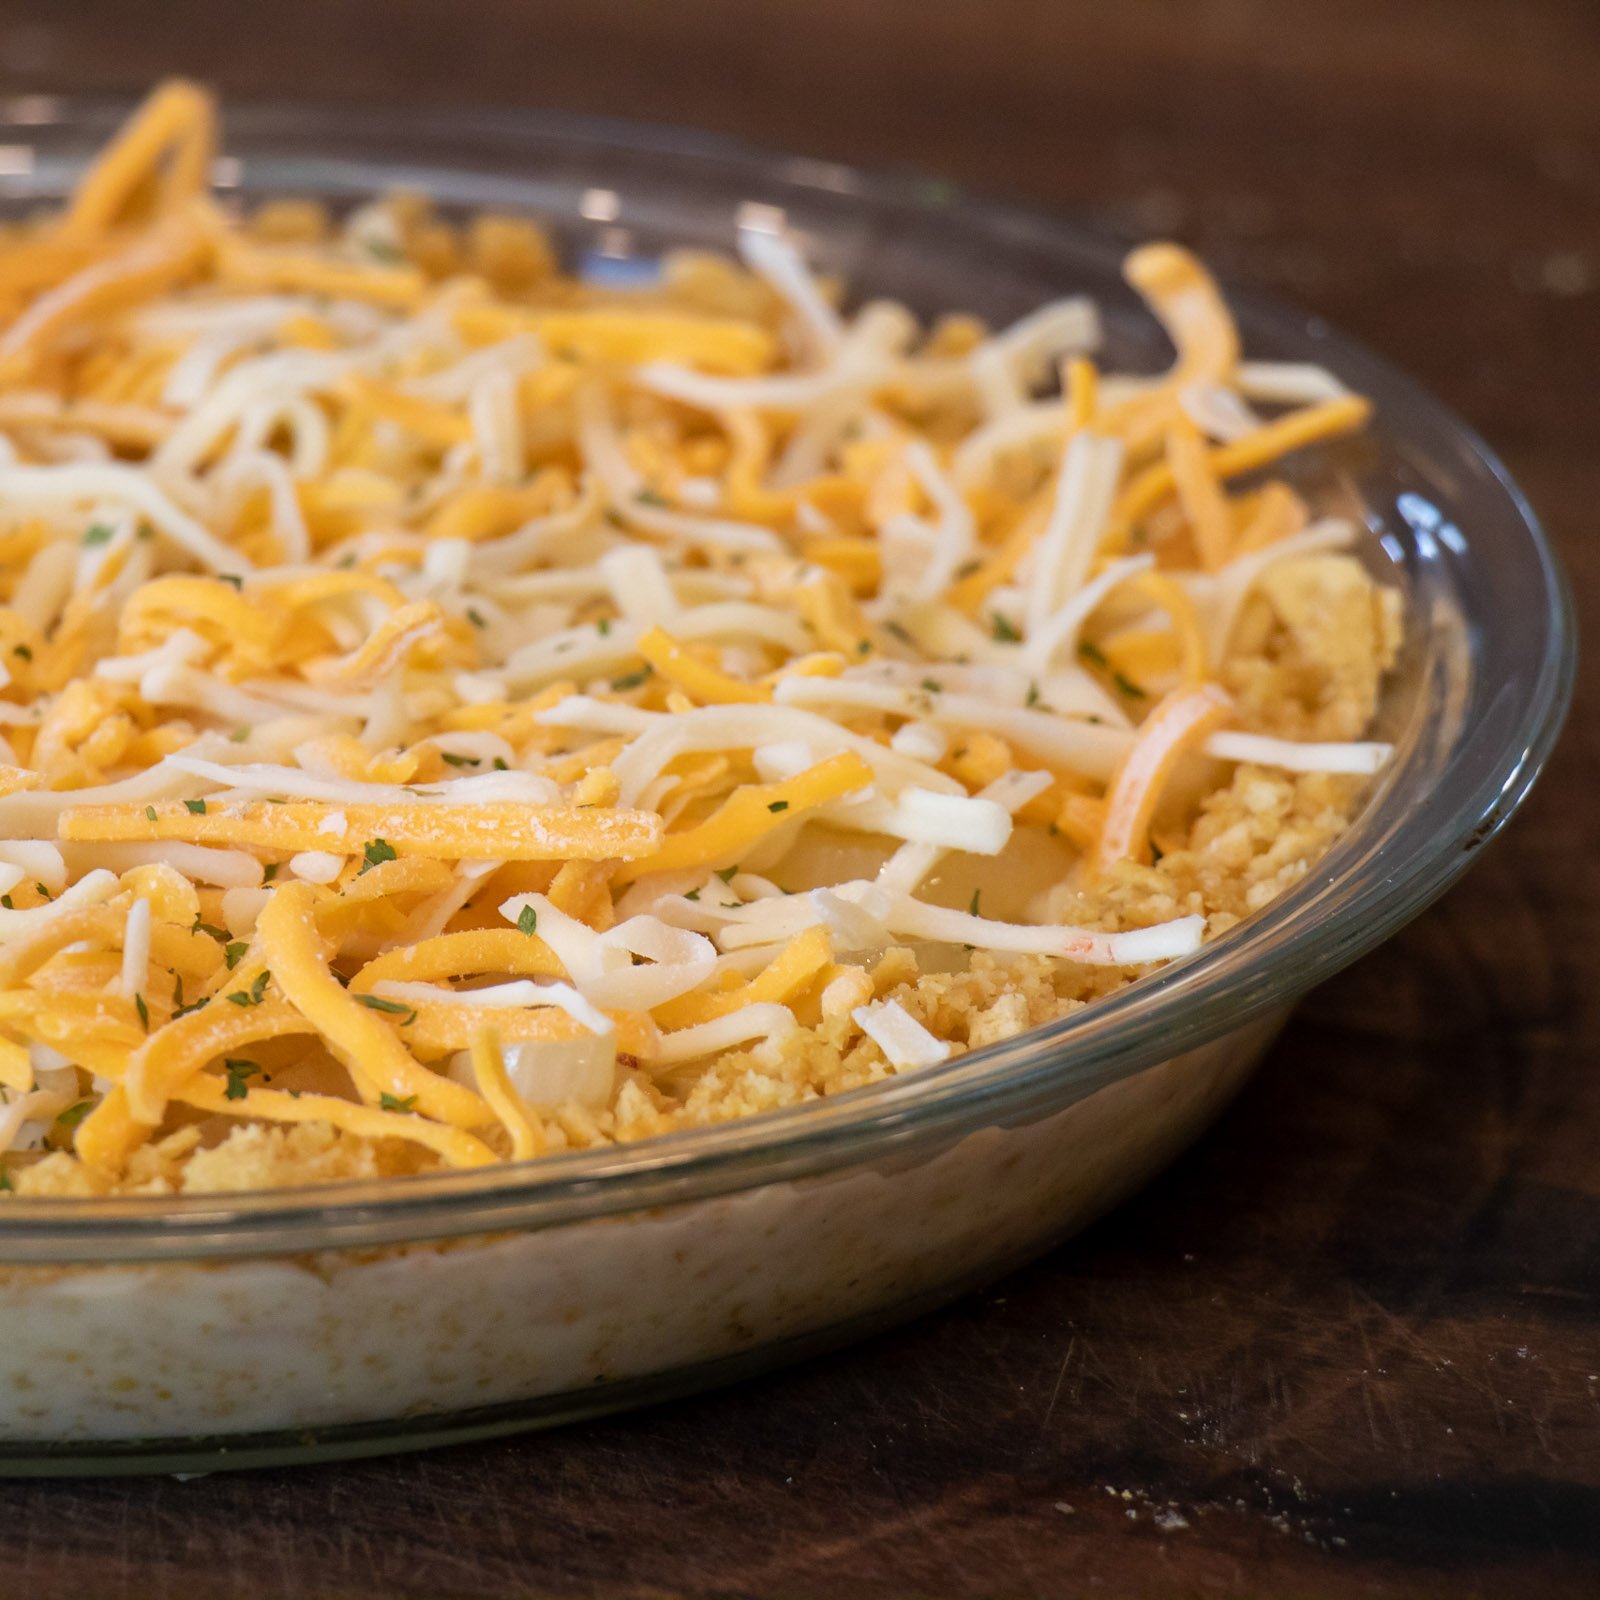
480	710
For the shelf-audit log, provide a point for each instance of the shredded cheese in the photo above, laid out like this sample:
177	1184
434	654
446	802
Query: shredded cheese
458	703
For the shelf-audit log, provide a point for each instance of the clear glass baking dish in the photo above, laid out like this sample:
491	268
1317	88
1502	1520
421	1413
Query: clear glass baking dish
185	1335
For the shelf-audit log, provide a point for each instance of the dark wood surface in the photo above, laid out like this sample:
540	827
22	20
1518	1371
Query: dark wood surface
1351	1344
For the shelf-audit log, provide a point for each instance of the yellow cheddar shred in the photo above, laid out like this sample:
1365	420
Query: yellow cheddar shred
489	1068
749	813
702	682
494	831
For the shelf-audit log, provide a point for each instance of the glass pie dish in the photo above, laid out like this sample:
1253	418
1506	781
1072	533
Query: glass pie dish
181	1334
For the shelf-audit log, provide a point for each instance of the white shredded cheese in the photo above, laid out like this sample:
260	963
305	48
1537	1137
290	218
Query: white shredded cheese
905	1043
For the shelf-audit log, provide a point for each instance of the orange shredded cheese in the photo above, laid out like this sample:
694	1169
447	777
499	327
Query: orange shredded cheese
1177	724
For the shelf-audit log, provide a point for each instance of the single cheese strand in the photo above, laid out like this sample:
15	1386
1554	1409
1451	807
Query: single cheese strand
718	344
751	812
489	1068
290	945
241	265
1185	297
1083	393
722	1033
905	1043
460	955
1199	493
179	119
1179	722
457	1148
492	831
106	1137
701	682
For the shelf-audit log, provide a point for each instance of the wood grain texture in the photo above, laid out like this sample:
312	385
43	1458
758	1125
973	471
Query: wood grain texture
1351	1344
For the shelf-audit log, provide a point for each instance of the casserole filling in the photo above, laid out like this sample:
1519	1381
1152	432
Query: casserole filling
455	707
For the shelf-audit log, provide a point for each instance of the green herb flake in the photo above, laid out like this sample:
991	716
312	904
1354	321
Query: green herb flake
603	626
727	873
528	921
1033	694
44	893
255	994
238	1070
972	904
693	894
396	1008
899	632
500	764
5	1181
195	807
143	1010
1128	686
933	686
210	929
376	853
1003	628
632	680
231	577
391	255
451	759
149	813
239	735
863	646
476	617
5	900
234	952
653	497
23	651
98	533
1093	654
270	871
777	805
389	1102
73	1115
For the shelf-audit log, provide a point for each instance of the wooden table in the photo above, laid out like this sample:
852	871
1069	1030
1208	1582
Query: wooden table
1351	1344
